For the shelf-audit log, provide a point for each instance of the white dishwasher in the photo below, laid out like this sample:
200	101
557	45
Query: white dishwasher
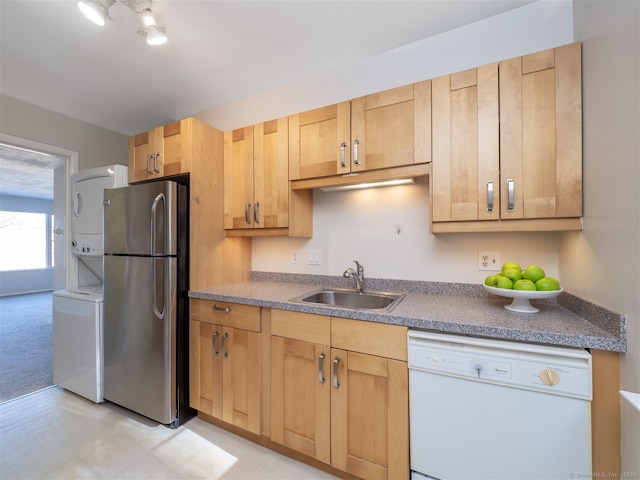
492	409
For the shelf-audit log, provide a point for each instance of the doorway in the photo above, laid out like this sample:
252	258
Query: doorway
33	203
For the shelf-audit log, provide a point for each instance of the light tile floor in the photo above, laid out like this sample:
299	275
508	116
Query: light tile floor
55	434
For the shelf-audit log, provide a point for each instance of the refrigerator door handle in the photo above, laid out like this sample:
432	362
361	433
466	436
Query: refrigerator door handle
154	289
154	214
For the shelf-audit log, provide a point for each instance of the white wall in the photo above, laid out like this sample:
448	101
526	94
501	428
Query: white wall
609	246
96	146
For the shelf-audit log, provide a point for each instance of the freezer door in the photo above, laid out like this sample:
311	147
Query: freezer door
141	219
140	335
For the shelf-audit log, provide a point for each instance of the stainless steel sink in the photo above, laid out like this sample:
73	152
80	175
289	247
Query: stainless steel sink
351	299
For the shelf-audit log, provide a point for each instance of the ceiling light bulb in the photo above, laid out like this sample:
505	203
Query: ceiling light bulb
147	18
156	36
95	11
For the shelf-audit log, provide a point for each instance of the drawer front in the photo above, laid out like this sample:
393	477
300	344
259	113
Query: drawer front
379	339
306	327
235	315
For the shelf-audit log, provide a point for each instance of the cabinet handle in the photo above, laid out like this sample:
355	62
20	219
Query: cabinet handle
214	341
343	145
511	195
336	363
224	344
222	309
256	212
490	197
247	214
356	160
149	171
155	162
321	378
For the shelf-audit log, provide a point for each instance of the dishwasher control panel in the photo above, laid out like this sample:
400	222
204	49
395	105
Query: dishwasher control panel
557	370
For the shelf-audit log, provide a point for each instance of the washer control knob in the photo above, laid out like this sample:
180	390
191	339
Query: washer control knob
549	377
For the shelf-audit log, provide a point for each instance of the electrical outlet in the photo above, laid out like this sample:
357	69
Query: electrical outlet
314	257
398	229
489	261
295	257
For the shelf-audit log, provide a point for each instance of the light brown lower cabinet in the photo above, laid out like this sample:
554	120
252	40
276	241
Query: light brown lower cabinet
225	362
345	407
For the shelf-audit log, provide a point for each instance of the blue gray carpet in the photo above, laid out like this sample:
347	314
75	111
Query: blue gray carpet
26	344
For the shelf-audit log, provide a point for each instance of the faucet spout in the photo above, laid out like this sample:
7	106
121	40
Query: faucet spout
358	276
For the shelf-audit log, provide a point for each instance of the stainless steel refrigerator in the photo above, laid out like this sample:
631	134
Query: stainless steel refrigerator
146	336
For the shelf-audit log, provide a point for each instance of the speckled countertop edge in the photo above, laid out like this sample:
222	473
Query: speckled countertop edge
445	307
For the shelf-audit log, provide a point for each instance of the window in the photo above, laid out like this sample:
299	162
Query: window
27	241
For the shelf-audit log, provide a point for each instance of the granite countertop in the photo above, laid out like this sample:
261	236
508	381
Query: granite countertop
444	307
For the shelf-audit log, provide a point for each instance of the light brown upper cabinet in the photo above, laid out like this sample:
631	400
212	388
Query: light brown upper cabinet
507	155
160	152
257	195
383	130
465	170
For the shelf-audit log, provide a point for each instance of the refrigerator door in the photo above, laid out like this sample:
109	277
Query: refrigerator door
140	335
141	219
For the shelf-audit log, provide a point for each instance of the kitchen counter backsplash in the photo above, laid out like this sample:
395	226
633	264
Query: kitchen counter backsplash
446	307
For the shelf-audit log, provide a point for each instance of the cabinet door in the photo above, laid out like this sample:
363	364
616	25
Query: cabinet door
465	175
271	174
541	134
177	140
240	351
205	381
391	128
300	397
319	142
370	416
238	178
144	161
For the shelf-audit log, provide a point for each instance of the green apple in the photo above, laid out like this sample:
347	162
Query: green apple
533	273
547	283
503	282
524	284
490	280
509	265
512	274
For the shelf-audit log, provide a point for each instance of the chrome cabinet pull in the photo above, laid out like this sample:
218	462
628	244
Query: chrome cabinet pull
356	160
222	309
247	214
336	363
321	378
343	145
214	341
256	212
224	344
511	195
155	162
490	197
149	171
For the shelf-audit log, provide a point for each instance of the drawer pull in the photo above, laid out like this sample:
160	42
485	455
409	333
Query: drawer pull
321	378
343	145
490	197
222	309
511	195
356	159
336	364
214	342
224	344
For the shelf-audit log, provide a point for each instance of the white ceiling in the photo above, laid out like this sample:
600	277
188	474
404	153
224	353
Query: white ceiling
218	51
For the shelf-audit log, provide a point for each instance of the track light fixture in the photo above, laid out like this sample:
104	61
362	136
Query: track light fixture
98	12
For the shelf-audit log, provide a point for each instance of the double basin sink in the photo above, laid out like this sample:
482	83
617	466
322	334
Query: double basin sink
336	297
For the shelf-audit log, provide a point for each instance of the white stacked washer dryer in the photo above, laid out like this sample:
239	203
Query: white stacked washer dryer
77	310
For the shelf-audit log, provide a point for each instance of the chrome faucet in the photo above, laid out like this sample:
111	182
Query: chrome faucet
358	276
